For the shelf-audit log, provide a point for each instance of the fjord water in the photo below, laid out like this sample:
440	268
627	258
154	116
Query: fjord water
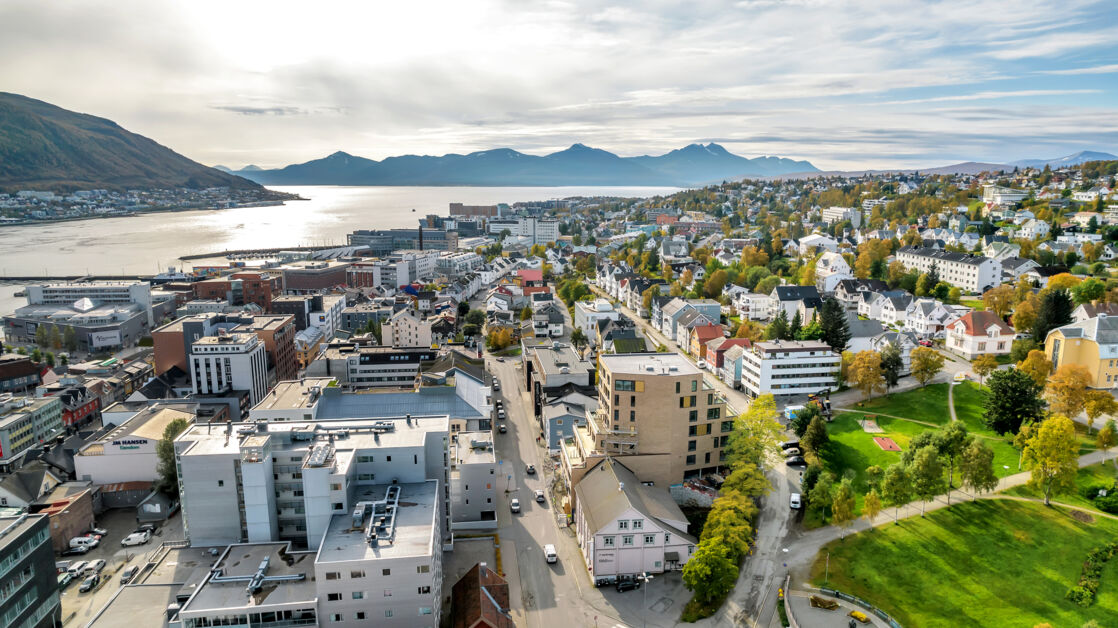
149	243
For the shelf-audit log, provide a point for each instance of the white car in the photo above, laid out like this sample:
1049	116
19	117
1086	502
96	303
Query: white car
795	501
702	365
94	566
514	505
549	554
78	567
136	538
87	541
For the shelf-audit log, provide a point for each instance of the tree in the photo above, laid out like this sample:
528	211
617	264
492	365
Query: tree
1107	438
1054	311
714	283
815	438
712	570
36	355
48	357
842	507
1066	391
795	326
803	418
866	373
822	494
891	364
976	467
926	364
1014	400
951	440
933	273
999	300
871	506
70	339
476	317
1024	316
168	481
1088	290
924	285
983	365
757	433
1052	455
1098	403
579	339
525	313
927	475
896	488
874	474
42	335
836	329
648	295
1037	366
55	338
778	329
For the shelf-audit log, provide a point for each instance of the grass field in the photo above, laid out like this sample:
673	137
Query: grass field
976	304
922	404
1095	474
988	563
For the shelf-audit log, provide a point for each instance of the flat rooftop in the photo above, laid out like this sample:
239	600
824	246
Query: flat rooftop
137	607
148	423
474	448
553	360
427	401
12	527
648	364
244	560
415	527
234	338
294	394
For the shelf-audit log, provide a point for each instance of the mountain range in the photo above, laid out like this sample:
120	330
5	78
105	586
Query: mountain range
1075	159
692	165
44	147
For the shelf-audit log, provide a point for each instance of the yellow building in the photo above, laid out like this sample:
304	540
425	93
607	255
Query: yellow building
1092	343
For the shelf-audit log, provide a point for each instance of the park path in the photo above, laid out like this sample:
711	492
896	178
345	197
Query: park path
951	400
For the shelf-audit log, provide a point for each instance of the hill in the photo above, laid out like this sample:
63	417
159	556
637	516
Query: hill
577	165
1075	159
44	147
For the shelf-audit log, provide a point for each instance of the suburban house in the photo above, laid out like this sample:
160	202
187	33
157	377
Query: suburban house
625	528
849	291
978	333
752	306
730	373
904	340
830	269
788	299
894	309
1092	344
927	317
700	335
1091	310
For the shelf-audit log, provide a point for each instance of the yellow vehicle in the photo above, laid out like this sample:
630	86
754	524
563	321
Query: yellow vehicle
860	616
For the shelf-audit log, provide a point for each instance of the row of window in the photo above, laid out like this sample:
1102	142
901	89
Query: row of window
360	573
360	615
627	540
361	595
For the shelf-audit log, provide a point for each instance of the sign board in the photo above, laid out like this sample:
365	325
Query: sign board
130	443
100	339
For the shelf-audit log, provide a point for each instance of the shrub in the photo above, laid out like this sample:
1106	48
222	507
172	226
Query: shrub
1108	503
1083	593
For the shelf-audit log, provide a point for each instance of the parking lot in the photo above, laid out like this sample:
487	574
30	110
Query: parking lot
78	608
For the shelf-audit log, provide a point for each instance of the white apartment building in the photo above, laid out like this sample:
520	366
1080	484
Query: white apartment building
228	361
754	306
838	214
1000	195
268	481
406	329
535	230
973	273
329	318
459	263
588	313
784	367
830	269
473	481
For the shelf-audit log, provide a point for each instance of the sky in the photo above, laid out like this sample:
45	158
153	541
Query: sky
845	84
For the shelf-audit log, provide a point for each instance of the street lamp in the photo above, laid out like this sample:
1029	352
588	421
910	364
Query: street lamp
645	578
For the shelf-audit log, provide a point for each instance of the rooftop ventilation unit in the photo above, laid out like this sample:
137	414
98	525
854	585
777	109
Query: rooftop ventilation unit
384	426
319	455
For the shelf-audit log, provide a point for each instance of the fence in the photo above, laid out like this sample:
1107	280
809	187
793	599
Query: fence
787	605
864	604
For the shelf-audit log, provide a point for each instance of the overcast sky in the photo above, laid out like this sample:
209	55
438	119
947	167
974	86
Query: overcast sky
859	83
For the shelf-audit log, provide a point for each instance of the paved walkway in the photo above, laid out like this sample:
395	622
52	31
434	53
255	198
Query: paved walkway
951	401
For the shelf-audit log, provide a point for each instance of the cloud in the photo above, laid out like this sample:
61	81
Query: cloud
248	110
1098	69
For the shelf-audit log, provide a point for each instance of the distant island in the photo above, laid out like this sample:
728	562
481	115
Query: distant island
693	165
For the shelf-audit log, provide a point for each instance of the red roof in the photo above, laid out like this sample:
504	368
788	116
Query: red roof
480	598
707	333
530	274
977	322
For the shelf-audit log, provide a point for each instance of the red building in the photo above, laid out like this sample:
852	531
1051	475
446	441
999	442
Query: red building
257	287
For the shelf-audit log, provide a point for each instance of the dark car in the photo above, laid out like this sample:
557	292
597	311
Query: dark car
628	585
496	385
75	551
127	575
90	583
795	461
501	428
790	444
147	527
531	470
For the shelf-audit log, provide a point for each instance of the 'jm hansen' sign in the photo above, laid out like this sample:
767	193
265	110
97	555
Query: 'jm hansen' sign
130	443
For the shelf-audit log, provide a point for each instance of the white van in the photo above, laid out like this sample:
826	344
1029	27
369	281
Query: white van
795	501
549	554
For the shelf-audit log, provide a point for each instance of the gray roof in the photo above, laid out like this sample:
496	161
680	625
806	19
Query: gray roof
796	293
860	328
965	258
430	400
1102	329
609	488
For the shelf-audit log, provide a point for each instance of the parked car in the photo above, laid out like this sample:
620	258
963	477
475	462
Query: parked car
549	553
87	541
790	444
496	385
64	579
127	575
514	505
795	501
702	364
500	359
90	583
95	566
530	470
539	496
100	531
147	527
502	429
628	585
792	452
136	538
77	567
925	343
795	461
76	551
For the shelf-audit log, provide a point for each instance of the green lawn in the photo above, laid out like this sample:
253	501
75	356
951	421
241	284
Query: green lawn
989	563
922	404
976	304
1095	474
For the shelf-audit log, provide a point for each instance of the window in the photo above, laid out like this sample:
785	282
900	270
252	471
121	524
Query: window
624	384
710	399
694	385
667	537
336	617
691	460
638	524
693	416
607	541
649	539
388	593
388	613
627	539
622	524
714	414
687	402
424	610
220	483
357	574
339	506
424	590
386	572
677	388
632	416
358	595
727	426
334	597
691	445
333	575
359	615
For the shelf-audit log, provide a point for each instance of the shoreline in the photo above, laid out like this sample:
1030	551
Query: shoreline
163	210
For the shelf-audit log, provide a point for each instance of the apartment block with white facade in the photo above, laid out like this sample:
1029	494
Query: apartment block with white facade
973	273
785	367
227	362
407	329
588	313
